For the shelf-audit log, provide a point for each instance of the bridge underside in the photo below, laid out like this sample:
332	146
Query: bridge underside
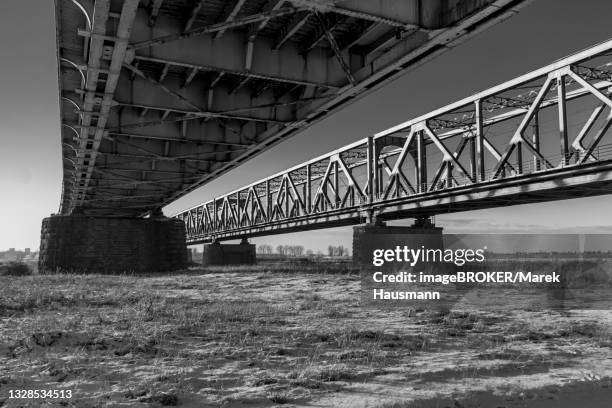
159	97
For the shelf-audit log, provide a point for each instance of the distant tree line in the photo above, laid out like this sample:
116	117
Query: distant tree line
337	251
284	250
264	249
298	250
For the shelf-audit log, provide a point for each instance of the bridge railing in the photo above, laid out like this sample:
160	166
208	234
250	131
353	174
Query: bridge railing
552	118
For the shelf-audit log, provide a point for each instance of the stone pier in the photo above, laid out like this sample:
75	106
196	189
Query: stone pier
368	237
82	244
229	254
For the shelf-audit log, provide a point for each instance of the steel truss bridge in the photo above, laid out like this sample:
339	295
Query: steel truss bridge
159	97
539	137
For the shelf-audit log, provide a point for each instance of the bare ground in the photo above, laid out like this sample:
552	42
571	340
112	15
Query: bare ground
260	338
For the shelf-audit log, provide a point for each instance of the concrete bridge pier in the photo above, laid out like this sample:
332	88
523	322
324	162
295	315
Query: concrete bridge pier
377	235
229	254
84	244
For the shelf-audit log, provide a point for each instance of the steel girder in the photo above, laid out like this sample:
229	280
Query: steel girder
538	137
195	88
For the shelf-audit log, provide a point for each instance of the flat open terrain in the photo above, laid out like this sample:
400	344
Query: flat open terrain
261	337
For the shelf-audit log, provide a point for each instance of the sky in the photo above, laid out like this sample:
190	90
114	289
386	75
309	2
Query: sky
30	153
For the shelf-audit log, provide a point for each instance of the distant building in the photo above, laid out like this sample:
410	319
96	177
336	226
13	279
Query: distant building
12	255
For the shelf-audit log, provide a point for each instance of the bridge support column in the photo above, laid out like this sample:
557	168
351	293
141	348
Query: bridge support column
368	237
229	254
77	243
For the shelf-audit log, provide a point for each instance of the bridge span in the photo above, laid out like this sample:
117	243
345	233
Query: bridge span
542	136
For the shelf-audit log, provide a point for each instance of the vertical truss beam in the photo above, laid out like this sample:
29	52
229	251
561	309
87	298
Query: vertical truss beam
562	118
479	142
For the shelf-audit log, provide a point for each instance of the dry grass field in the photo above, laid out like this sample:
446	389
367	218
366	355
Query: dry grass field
270	336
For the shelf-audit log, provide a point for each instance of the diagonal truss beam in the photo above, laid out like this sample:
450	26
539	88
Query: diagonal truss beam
448	156
231	15
518	134
323	35
193	14
336	49
294	26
